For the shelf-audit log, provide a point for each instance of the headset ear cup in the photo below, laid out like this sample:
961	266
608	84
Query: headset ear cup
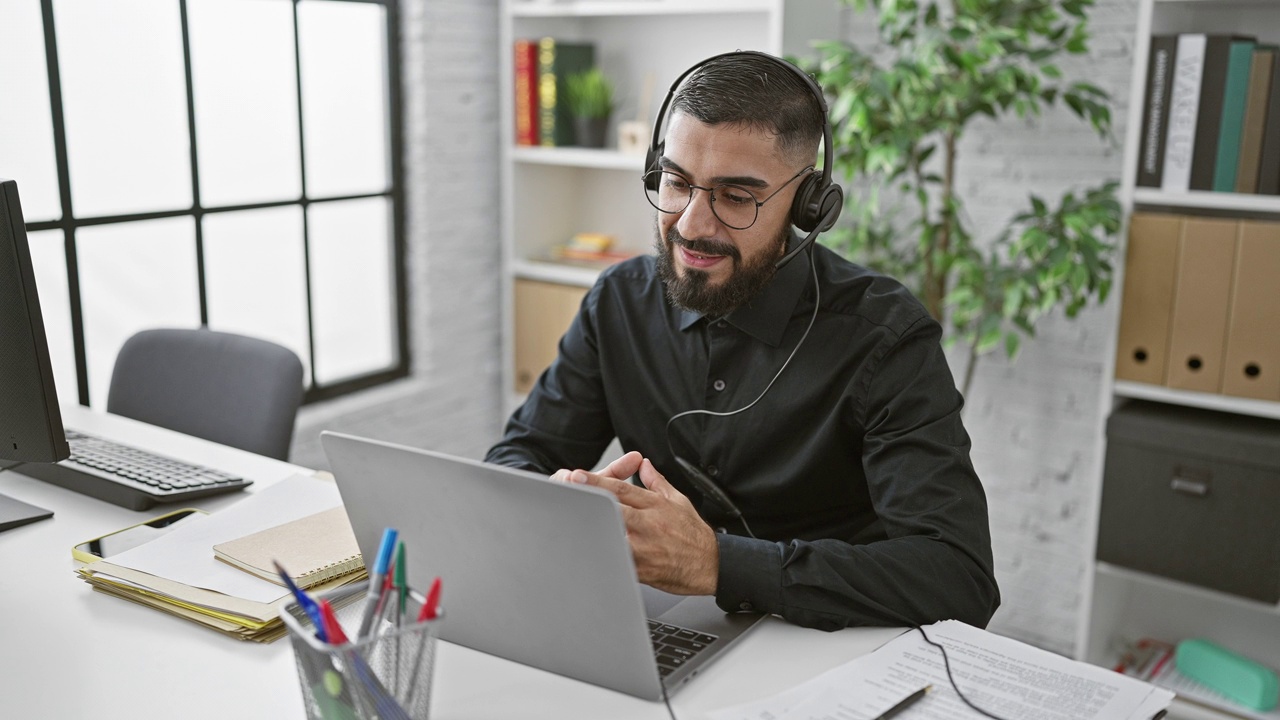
832	199
651	163
804	208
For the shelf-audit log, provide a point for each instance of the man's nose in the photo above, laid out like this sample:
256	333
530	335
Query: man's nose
699	220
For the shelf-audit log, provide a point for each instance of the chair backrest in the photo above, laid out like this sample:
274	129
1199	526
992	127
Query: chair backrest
231	389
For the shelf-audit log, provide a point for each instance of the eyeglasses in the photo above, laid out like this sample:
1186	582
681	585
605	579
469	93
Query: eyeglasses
732	205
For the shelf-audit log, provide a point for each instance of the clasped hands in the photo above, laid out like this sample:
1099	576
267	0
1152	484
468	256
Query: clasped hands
673	549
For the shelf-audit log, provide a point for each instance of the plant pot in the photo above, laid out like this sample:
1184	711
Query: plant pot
590	131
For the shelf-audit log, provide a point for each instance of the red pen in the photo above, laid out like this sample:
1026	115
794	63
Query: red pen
331	627
431	608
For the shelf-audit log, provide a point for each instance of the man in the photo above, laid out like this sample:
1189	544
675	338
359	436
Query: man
846	458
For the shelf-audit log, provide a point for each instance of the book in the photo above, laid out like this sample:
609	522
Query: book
1184	106
1235	95
526	95
311	549
1155	117
1269	160
556	62
1255	117
1213	88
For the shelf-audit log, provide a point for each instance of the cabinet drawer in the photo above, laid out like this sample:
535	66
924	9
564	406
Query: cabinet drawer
1194	496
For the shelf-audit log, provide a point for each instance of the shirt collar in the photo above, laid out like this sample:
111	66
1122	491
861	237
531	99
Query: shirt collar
765	316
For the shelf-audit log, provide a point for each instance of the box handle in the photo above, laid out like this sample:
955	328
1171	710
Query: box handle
1188	486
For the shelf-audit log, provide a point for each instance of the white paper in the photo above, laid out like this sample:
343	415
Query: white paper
185	555
1002	676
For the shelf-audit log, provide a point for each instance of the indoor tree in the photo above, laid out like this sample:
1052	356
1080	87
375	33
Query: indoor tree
899	113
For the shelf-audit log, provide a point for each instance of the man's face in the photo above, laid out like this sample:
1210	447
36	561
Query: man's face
707	266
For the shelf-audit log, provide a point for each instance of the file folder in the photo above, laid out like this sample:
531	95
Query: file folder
1251	365
1151	264
1202	293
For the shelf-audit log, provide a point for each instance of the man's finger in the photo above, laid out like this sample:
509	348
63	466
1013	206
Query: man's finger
626	493
656	481
624	467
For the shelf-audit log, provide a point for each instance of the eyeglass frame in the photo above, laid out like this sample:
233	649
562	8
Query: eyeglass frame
711	194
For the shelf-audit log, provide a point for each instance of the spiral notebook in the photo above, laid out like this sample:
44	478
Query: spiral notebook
311	549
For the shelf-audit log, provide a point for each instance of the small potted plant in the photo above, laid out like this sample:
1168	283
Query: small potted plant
590	98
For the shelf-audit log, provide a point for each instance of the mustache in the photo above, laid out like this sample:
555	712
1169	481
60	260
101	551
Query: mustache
702	246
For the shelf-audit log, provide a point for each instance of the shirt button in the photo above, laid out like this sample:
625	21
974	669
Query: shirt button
722	324
721	530
718	385
713	471
746	606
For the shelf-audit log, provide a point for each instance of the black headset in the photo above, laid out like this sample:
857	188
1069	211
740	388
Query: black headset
818	200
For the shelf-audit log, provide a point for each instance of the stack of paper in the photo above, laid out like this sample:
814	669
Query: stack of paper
1002	676
178	573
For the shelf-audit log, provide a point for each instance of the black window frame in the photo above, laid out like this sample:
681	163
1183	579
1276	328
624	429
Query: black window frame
69	223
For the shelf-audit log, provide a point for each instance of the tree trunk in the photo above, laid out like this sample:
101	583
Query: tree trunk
935	272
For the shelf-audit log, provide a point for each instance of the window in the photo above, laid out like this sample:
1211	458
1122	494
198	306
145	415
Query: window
228	163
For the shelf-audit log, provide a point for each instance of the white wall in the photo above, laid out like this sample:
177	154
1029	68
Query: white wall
1035	424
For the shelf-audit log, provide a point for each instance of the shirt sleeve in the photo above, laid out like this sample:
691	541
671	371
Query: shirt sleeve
930	559
564	423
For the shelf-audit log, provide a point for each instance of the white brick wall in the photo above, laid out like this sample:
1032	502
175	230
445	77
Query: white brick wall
1035	424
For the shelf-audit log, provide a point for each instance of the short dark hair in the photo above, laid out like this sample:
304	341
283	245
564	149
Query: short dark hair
756	92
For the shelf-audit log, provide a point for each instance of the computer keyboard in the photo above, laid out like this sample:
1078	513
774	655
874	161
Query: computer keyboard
674	646
127	476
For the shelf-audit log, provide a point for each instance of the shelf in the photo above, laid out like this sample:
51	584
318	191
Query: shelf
1209	401
555	273
1167	585
606	8
579	157
1203	200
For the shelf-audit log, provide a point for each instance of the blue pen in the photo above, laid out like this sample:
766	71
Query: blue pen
305	602
388	546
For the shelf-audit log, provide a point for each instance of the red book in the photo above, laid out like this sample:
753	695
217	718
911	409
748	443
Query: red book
526	81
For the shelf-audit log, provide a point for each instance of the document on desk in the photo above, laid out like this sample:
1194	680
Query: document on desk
186	554
1000	675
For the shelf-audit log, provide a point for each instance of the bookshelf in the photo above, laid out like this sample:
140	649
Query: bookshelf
551	193
1123	603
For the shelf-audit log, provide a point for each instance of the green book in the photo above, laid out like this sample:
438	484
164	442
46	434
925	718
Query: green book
556	62
1234	98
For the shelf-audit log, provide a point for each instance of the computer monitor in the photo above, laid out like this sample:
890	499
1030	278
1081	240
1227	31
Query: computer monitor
30	422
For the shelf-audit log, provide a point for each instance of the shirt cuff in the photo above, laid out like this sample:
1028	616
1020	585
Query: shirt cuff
750	575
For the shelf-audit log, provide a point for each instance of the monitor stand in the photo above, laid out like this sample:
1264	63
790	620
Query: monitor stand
15	512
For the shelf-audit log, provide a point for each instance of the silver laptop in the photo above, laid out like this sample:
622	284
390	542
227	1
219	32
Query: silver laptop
533	570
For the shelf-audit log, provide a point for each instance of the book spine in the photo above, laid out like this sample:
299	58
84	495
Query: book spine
1269	162
547	91
1213	86
526	98
1235	95
1155	120
1255	115
1184	103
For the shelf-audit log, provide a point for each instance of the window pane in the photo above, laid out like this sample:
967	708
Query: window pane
49	257
133	276
246	97
352	288
124	96
344	101
26	125
255	276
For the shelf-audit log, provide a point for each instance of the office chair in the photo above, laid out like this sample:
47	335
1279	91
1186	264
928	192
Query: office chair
231	389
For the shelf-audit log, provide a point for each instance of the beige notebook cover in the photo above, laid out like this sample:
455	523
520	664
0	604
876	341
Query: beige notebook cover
312	549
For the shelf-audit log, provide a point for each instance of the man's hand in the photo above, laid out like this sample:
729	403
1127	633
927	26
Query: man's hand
674	550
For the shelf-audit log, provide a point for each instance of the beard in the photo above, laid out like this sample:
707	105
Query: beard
693	292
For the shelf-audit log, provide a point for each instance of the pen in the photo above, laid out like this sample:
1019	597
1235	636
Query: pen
386	703
402	592
905	703
305	602
431	607
430	611
376	578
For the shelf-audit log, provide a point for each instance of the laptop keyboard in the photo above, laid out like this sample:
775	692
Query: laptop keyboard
675	646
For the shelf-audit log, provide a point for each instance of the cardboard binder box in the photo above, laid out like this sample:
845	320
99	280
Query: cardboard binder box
1251	364
1202	295
1151	263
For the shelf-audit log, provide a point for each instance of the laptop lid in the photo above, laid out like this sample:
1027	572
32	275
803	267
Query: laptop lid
533	570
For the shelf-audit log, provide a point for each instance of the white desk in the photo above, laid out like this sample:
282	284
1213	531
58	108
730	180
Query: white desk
69	652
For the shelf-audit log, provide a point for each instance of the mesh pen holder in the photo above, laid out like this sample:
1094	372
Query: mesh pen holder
385	676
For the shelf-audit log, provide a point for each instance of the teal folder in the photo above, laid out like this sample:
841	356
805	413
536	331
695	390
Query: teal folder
1234	98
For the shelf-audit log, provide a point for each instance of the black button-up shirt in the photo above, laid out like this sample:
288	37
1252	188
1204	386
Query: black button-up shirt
853	470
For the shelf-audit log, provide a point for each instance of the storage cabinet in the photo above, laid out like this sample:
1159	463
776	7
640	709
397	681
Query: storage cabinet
1187	544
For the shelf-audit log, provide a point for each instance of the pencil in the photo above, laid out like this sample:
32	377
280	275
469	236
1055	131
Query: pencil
905	703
